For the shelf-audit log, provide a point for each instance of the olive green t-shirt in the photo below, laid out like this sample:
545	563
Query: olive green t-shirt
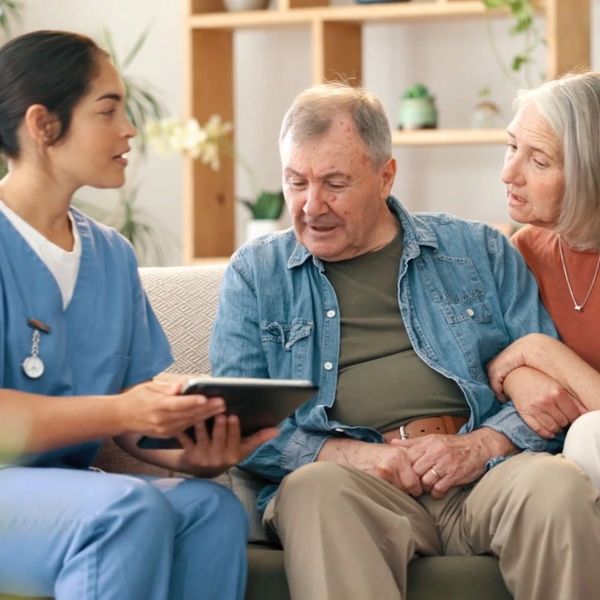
382	383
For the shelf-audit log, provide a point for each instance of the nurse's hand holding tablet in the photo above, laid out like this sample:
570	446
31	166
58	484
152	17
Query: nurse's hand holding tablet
158	411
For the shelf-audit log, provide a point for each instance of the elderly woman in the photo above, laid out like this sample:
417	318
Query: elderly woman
552	176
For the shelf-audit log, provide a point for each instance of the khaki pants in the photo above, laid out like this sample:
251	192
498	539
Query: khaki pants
349	535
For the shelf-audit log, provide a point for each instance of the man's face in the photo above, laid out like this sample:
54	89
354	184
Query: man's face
335	194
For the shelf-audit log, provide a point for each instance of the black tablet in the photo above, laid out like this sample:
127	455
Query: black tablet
258	403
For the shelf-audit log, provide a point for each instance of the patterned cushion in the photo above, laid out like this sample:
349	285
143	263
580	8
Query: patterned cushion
185	302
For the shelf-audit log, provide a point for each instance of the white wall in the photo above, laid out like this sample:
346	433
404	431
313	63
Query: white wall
453	58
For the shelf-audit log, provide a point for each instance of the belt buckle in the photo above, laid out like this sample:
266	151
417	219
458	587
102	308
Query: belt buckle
403	433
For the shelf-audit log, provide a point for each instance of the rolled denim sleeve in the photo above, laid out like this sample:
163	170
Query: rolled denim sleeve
508	422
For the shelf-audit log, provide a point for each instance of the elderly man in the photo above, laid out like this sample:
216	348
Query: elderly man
394	316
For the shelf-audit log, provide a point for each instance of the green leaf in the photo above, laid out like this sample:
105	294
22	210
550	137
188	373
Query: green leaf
137	46
10	10
418	90
518	61
110	47
268	205
523	24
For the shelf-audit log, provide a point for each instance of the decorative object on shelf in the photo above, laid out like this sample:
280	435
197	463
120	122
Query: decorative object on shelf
417	109
378	1
521	69
238	5
202	142
266	211
486	114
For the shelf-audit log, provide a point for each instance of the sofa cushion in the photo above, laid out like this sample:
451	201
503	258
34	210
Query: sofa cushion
185	302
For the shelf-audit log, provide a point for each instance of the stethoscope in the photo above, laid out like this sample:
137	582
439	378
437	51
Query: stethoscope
33	365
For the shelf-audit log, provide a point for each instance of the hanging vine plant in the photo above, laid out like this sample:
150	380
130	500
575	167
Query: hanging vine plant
520	69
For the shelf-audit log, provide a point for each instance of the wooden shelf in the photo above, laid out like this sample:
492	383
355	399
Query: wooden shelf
336	48
448	137
344	14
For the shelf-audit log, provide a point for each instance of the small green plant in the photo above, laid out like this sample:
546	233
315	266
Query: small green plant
267	205
417	90
521	65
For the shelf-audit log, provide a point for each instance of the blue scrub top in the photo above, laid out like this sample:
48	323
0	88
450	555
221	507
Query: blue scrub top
107	338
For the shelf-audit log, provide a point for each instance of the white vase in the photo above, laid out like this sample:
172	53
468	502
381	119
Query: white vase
237	5
258	227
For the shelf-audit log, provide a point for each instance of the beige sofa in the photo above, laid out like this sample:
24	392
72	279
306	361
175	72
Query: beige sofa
185	300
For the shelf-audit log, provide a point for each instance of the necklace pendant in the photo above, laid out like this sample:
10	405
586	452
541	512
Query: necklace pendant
578	308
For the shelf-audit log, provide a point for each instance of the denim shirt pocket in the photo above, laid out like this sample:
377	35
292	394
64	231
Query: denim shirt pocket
286	346
475	329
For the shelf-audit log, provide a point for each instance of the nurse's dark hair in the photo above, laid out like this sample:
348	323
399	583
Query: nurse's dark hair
51	68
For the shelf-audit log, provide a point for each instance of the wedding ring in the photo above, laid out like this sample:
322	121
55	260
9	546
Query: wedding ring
435	473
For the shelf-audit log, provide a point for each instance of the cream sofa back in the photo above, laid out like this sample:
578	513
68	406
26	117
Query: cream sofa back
185	302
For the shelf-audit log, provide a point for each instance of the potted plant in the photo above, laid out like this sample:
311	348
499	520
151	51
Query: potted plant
417	109
266	210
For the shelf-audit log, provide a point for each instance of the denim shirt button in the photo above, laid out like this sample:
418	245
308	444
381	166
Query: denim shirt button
328	366
330	313
470	312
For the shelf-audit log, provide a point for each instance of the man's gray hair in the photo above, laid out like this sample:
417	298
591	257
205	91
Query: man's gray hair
571	105
314	109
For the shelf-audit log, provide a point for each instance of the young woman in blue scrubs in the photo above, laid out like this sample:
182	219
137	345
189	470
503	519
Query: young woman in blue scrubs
79	345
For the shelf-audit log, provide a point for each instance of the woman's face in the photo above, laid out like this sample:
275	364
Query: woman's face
92	151
533	170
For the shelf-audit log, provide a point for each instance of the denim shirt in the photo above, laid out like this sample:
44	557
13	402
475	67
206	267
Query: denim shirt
464	294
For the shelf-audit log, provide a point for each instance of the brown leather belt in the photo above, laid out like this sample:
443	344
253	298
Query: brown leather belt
419	427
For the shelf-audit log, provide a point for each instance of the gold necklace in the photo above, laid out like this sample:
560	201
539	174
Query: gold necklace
578	307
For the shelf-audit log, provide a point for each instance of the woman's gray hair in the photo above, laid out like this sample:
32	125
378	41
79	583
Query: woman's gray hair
571	105
313	110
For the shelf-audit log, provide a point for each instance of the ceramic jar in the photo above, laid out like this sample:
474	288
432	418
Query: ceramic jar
417	113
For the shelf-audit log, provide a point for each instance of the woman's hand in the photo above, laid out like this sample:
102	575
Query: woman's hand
542	402
156	409
212	454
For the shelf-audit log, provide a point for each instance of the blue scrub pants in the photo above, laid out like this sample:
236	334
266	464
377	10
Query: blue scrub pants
87	535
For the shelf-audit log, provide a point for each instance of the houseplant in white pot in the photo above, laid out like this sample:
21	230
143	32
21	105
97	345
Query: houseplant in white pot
266	211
